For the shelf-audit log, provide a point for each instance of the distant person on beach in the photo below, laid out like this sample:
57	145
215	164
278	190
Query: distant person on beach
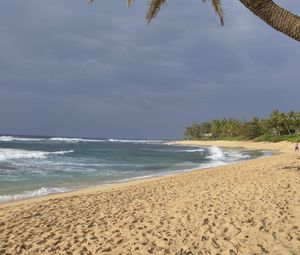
297	147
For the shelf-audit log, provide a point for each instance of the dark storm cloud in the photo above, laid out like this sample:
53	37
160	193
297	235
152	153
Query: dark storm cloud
67	68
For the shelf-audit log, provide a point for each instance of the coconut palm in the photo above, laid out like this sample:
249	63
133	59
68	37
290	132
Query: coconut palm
271	13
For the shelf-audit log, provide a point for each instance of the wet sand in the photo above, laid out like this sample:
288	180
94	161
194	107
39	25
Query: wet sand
252	207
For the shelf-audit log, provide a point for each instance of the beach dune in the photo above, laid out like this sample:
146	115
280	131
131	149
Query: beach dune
251	207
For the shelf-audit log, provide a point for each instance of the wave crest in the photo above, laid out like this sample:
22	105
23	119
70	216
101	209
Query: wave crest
74	140
192	150
135	141
8	154
216	153
5	138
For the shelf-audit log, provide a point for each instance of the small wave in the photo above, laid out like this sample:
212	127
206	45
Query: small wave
74	140
132	179
212	164
191	150
60	152
35	193
7	154
21	139
135	141
237	155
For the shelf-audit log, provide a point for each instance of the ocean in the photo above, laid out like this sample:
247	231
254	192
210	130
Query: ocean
37	166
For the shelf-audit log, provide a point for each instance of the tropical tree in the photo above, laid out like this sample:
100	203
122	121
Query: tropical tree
194	132
198	131
275	123
293	121
271	13
215	128
250	130
282	122
233	127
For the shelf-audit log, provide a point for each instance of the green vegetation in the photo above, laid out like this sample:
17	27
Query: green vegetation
278	127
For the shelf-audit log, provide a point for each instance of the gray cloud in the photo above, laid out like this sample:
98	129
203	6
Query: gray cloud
67	68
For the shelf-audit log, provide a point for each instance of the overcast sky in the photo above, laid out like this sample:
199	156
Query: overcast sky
72	69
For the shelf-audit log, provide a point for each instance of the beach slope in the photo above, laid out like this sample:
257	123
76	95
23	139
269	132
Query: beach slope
251	207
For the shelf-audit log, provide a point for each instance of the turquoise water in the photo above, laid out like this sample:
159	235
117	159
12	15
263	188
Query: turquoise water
35	166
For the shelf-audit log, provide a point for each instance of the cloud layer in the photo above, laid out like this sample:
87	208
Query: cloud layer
71	69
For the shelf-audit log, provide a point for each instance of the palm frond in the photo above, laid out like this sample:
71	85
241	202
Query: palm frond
129	2
154	8
219	10
217	5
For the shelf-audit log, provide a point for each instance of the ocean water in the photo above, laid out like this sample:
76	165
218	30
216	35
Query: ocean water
36	166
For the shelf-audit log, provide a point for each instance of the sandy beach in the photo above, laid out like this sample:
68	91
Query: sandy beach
251	207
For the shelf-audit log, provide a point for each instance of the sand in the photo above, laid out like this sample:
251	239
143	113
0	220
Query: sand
252	207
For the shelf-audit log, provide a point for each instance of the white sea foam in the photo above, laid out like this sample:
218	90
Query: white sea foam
35	193
212	164
132	179
24	139
173	150
191	150
216	153
55	139
7	154
60	152
135	141
237	155
74	140
193	166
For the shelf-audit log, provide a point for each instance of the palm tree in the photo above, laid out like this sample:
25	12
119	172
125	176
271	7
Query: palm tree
271	13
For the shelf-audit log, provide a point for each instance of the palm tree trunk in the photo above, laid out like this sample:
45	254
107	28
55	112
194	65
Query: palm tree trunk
287	128
276	16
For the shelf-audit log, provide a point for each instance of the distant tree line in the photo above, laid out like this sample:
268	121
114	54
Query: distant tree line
276	126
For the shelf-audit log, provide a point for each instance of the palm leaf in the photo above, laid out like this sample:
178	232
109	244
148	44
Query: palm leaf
154	8
217	5
218	9
129	2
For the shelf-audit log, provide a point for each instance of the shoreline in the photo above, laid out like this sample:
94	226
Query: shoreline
121	183
281	147
244	208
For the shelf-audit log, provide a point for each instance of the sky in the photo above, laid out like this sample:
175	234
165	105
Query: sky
72	69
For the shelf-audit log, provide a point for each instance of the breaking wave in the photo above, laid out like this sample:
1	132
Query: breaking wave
191	150
135	141
21	139
8	154
217	155
74	140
